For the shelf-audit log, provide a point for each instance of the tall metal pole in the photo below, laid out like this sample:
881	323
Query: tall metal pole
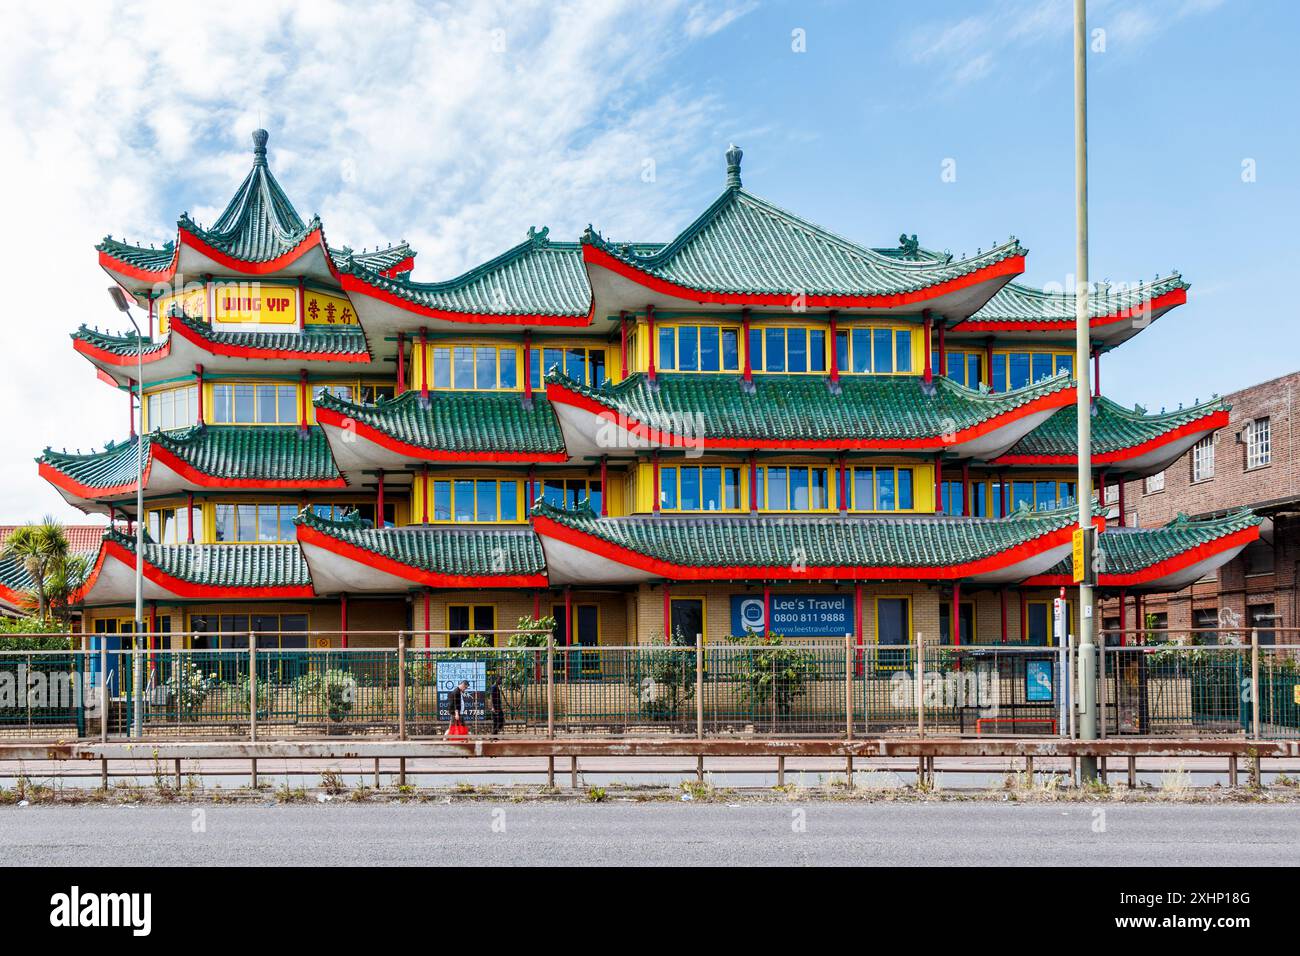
137	687
1087	649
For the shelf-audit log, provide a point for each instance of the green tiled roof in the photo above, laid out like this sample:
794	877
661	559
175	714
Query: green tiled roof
834	541
472	551
459	421
14	575
793	406
1114	428
225	565
1127	550
1021	303
153	259
314	339
257	452
743	244
536	277
376	260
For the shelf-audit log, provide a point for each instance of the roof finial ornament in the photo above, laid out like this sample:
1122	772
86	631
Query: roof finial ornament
908	246
260	136
734	155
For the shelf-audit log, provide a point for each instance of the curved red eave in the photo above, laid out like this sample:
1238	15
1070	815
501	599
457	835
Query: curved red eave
185	589
352	283
9	596
548	527
562	395
370	559
336	419
1011	266
393	271
1160	303
200	341
106	357
90	492
201	479
1160	569
184	237
1211	422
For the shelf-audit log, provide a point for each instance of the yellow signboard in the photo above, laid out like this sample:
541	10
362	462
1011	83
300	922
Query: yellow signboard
190	302
254	303
322	309
1078	560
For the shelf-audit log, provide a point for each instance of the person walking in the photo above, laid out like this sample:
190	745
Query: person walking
456	711
498	711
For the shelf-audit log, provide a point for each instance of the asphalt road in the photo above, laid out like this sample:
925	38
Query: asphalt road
878	834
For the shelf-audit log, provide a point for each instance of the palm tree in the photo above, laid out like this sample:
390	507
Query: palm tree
65	576
42	549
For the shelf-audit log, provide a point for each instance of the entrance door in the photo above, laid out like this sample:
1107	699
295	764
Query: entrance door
893	618
687	619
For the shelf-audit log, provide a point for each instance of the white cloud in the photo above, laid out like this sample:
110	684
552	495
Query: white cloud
455	126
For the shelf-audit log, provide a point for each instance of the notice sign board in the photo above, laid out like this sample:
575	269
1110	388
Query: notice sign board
794	615
451	673
1038	682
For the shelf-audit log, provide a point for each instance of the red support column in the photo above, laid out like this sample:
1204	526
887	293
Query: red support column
401	362
943	347
928	336
753	483
988	361
668	614
302	304
954	622
424	497
424	364
748	372
303	392
857	624
843	501
343	618
622	344
198	370
379	500
1096	373
938	484
1002	601
767	610
189	518
965	489
655	489
604	486
835	348
650	331
528	366
1101	488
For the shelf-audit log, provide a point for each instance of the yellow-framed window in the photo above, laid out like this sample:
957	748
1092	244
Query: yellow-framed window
169	408
469	500
796	488
882	488
876	350
685	487
171	525
697	347
585	364
789	348
1017	368
247	522
893	628
364	393
566	492
334	510
466	620
467	366
227	631
965	366
254	403
1040	624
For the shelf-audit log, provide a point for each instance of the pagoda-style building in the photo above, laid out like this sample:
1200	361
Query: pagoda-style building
757	421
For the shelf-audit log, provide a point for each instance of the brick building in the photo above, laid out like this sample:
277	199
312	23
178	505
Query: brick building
1255	463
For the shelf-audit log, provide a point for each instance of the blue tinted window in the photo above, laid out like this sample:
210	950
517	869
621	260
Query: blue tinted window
554	359
711	493
575	364
864	491
509	501
797	350
777	497
594	494
731	488
1042	365
799	489
817	350
1045	496
818	489
999	373
485	367
775	350
980	500
464	499
668	488
690	491
861	350
842	351
463	359
885	489
442	368
730	350
1065	363
597	359
756	349
902	351
1019	370
905	489
667	349
441	501
535	367
972	371
882	348
508	359
688	349
485	506
1022	493
553	492
710	359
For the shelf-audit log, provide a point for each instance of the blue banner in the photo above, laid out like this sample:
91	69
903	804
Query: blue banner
794	615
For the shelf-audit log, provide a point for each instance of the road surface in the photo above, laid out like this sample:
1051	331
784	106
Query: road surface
675	833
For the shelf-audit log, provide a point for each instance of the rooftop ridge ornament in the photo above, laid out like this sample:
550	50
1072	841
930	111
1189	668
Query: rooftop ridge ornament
734	155
260	136
908	246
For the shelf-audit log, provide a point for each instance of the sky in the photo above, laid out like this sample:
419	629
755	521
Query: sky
456	126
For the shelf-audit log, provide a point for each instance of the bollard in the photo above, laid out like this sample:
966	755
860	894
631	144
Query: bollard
1254	684
1232	771
376	773
178	773
401	687
401	771
573	772
1132	773
848	771
780	771
103	772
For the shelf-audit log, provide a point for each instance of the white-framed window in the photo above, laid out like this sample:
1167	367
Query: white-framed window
1203	459
1156	482
1259	446
173	408
1112	493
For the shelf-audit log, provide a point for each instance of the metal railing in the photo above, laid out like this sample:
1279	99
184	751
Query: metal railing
252	687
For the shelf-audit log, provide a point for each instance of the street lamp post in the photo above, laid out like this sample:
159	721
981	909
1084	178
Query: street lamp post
123	302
